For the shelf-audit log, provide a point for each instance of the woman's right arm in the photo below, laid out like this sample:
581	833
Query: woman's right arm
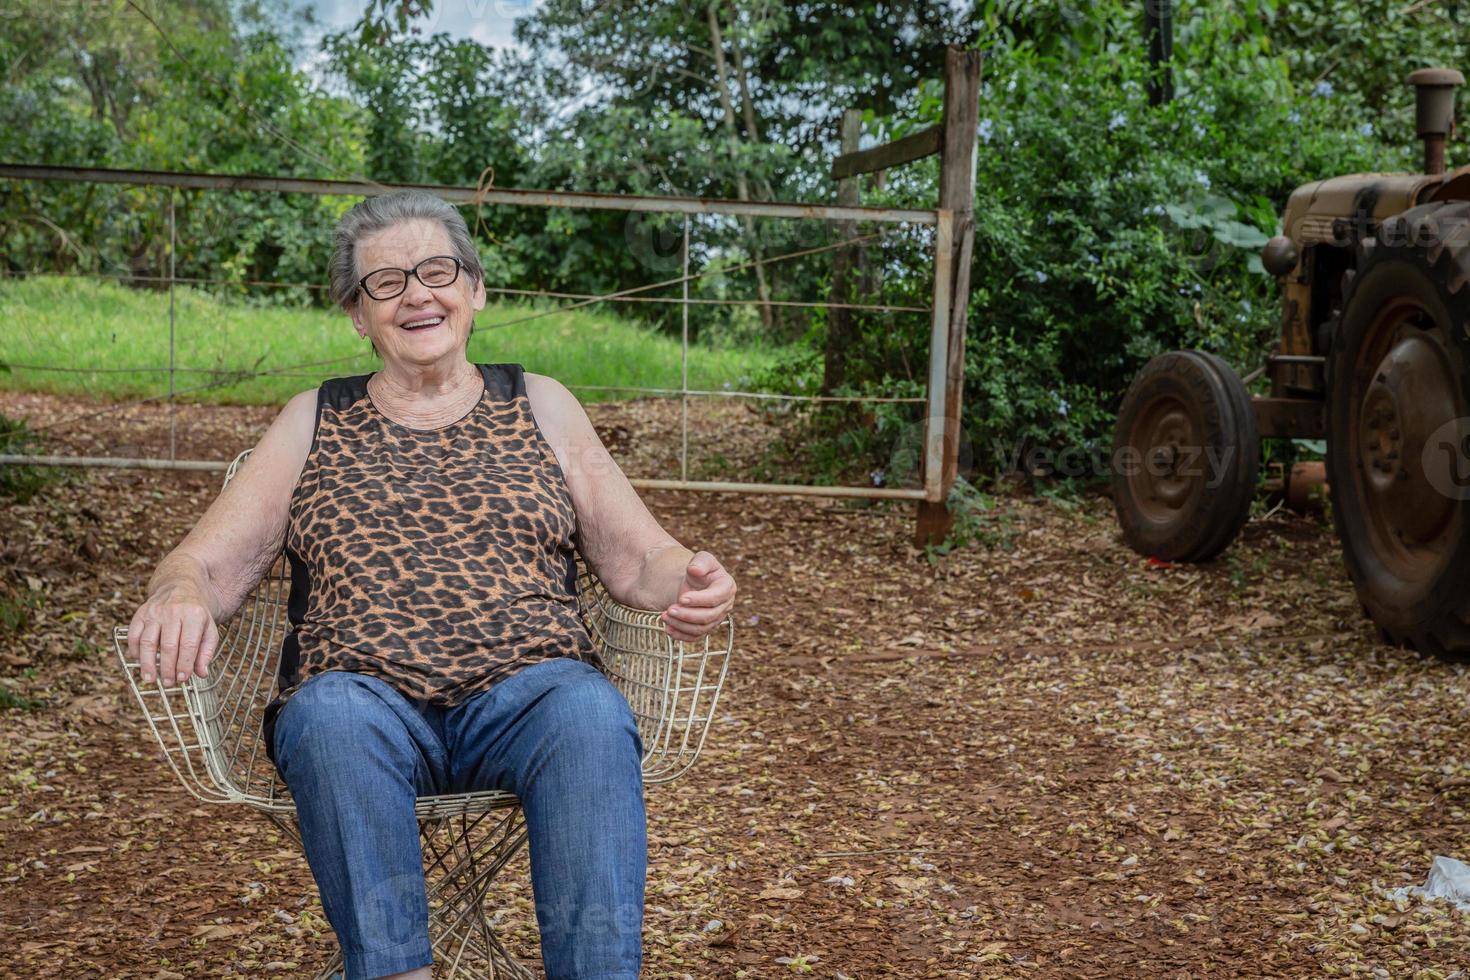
204	579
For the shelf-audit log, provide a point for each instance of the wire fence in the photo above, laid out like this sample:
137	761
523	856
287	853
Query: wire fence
889	220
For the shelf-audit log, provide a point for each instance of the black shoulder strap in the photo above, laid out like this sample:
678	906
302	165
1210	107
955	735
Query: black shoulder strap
342	393
504	382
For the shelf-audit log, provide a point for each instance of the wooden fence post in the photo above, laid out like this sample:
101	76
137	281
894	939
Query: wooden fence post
957	193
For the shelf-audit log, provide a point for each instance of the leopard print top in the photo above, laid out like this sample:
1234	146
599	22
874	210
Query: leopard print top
441	560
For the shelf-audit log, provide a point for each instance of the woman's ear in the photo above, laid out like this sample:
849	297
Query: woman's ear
478	296
355	312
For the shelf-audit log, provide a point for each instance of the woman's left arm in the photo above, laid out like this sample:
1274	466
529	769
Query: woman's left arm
639	563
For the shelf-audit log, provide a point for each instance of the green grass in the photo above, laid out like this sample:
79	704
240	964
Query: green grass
101	327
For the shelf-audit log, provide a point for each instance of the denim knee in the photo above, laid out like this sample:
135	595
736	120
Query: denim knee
583	705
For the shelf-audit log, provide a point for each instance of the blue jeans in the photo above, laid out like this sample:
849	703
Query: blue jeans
355	754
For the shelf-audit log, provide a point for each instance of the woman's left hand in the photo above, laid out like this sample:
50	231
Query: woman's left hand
706	597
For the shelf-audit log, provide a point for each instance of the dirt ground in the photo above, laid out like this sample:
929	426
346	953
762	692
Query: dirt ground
1036	757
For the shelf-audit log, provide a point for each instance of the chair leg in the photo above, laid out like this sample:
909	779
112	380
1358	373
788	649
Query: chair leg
460	871
333	970
462	857
288	826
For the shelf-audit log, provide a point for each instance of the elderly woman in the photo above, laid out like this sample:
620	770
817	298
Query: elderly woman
430	513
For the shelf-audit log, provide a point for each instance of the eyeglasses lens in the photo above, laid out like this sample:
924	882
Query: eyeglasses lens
437	272
388	282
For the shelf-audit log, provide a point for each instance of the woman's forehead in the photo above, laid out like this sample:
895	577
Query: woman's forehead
403	244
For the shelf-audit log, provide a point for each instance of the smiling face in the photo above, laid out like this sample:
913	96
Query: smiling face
421	327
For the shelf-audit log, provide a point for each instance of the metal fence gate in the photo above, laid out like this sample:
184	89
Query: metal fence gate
939	446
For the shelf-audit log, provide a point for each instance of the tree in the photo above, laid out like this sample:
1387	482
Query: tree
713	98
197	90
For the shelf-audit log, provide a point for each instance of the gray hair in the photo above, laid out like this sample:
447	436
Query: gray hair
372	215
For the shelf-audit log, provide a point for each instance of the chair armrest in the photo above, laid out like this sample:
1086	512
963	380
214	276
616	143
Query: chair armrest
210	728
673	687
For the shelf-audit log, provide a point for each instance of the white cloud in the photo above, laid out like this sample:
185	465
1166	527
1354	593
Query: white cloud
490	22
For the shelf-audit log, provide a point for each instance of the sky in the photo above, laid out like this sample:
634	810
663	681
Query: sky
489	22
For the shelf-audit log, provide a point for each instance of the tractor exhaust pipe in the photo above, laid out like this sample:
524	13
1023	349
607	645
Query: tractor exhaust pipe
1434	90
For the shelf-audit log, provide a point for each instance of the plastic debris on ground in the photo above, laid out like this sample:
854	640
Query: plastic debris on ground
1448	878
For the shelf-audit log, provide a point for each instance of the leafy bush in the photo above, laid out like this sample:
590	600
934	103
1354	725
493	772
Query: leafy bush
1108	230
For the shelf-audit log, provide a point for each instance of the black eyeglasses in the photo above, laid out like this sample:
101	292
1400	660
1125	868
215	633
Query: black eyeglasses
435	271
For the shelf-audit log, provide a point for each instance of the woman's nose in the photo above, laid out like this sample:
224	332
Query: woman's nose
417	293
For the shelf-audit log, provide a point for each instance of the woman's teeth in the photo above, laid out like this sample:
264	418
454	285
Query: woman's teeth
432	321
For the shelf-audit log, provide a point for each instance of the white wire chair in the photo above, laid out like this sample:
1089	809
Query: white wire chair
211	733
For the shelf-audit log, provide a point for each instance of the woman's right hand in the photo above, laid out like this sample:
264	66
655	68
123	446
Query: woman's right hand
173	635
206	578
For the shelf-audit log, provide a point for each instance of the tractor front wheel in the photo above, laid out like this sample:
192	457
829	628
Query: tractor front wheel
1186	454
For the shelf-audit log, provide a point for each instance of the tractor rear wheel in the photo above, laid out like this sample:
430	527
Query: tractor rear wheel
1186	454
1398	416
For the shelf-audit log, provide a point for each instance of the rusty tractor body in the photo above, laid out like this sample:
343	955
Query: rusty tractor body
1373	358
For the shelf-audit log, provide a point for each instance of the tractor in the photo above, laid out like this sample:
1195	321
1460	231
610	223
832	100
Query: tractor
1373	358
